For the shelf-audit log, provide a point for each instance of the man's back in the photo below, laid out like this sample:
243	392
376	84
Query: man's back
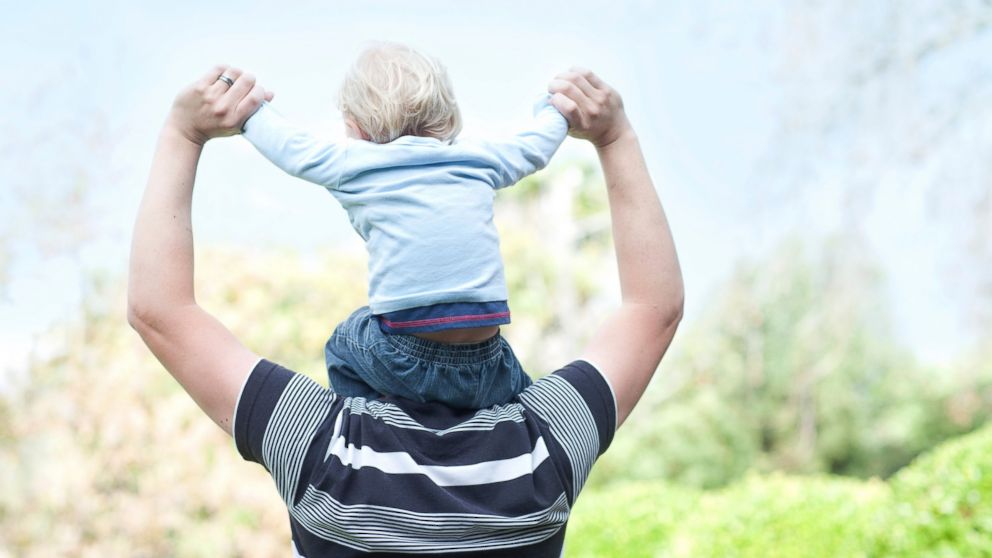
401	477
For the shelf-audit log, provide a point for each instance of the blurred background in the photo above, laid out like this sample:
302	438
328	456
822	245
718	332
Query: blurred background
825	166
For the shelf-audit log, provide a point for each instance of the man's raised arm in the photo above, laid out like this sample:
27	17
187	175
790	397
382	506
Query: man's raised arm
193	346
628	347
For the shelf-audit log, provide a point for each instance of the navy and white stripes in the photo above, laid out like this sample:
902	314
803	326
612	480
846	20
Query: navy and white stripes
571	423
408	478
299	411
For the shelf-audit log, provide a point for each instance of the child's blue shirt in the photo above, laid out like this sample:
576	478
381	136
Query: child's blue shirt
423	207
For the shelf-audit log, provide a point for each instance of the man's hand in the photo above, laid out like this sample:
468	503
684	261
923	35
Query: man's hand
211	108
594	110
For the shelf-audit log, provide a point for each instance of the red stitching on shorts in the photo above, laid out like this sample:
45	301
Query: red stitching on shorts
445	320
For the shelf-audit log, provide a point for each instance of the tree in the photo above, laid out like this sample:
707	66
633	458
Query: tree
892	98
790	370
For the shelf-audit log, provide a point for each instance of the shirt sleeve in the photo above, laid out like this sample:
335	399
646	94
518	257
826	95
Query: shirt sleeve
276	420
577	404
530	150
294	150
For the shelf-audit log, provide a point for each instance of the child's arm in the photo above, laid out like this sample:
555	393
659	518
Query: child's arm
530	150
292	149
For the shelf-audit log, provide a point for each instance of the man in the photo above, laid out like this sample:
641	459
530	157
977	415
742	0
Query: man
394	476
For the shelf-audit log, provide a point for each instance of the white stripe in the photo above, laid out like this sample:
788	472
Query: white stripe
300	409
402	463
572	425
392	415
384	529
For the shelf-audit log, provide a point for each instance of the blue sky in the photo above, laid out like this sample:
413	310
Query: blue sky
88	84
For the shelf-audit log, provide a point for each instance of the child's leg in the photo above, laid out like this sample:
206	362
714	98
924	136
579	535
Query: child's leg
501	378
364	361
346	354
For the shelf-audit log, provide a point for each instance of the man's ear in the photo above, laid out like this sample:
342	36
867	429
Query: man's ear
353	131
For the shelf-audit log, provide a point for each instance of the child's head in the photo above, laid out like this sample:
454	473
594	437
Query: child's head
392	90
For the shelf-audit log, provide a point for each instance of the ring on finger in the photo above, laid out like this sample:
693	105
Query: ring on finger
225	79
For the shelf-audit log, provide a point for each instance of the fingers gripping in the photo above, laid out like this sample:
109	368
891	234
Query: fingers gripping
578	78
249	103
569	109
566	106
589	76
580	106
230	97
218	87
593	109
242	85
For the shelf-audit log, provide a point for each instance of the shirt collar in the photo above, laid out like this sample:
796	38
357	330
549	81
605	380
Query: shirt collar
417	140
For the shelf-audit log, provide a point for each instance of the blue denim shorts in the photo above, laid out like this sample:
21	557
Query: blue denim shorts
364	361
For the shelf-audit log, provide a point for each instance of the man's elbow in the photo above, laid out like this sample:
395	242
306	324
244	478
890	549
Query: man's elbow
138	316
661	315
667	311
145	318
670	313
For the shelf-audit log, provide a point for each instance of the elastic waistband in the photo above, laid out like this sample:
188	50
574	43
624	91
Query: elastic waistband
445	353
446	315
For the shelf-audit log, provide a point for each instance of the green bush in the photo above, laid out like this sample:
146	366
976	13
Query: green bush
943	502
777	515
630	519
760	516
940	506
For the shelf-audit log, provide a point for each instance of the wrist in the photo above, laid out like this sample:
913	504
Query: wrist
175	145
174	129
620	136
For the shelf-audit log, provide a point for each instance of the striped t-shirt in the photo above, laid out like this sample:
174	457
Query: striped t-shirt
403	478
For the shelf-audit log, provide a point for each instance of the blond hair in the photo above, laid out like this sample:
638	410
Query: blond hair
392	90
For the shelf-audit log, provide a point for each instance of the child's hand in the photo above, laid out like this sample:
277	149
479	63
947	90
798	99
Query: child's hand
594	110
211	107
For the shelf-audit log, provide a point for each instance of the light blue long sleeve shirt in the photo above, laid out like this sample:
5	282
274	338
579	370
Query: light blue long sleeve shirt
423	207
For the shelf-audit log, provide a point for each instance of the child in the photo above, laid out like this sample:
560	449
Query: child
423	203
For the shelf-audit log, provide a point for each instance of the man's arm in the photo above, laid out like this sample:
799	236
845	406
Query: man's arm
194	347
530	150
292	149
631	342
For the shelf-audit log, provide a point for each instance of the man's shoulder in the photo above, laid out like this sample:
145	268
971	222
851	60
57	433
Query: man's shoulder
275	398
575	393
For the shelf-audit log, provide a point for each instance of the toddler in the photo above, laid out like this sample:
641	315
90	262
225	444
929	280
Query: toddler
423	204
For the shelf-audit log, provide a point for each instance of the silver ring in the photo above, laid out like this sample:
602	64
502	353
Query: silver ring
225	79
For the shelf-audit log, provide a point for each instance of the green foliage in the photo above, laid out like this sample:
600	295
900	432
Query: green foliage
779	516
944	502
939	506
631	519
793	369
105	455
